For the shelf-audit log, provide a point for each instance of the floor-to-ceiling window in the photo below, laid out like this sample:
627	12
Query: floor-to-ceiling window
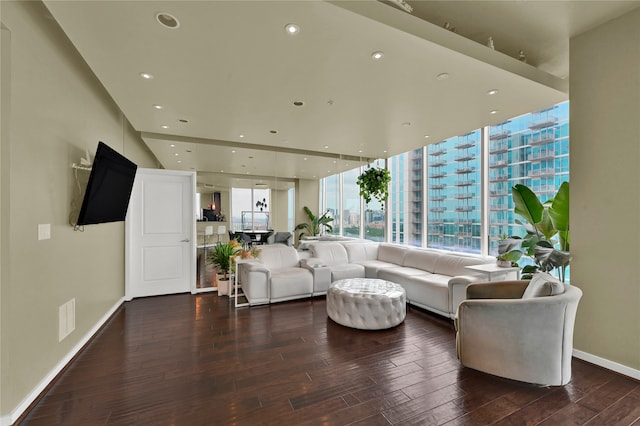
454	188
406	197
443	187
373	222
351	203
332	201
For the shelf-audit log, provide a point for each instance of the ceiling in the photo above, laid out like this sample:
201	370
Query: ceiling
228	77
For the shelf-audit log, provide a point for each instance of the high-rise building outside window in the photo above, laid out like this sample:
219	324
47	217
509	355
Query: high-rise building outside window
454	187
406	197
332	201
531	150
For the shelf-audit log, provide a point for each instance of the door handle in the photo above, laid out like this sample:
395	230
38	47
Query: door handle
186	240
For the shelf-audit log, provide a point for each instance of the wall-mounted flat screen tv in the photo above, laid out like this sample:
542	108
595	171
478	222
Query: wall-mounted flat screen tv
108	189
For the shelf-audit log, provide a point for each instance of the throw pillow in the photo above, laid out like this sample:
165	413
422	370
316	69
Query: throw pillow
542	284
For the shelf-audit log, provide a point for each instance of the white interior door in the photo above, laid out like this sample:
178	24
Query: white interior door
160	234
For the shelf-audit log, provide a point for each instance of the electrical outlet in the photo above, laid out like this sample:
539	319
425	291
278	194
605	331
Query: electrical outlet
44	231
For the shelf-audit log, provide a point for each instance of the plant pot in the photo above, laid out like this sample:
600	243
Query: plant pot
223	285
503	263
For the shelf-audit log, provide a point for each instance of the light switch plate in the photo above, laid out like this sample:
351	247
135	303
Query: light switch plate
44	231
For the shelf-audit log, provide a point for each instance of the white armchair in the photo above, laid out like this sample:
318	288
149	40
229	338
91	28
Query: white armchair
276	276
523	334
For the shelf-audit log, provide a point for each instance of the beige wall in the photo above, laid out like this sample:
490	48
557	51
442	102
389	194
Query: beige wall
58	109
279	210
605	188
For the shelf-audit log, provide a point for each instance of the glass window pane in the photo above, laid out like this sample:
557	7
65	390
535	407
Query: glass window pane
533	150
454	194
332	197
351	203
405	198
374	215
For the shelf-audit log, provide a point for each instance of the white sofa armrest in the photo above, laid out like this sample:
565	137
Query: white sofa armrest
458	290
321	274
255	282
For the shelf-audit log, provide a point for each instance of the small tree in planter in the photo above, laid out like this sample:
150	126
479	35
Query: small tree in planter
221	257
374	183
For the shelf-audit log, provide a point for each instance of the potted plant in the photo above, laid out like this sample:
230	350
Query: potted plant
543	222
374	183
316	224
508	251
221	257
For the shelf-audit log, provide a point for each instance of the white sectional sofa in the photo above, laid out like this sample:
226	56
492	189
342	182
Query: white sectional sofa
433	280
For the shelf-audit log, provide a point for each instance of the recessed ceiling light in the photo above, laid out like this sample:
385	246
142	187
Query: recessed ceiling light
183	120
494	111
377	55
385	151
292	29
167	20
241	136
146	75
406	124
158	106
442	76
187	150
172	145
326	147
305	158
164	126
176	154
359	150
221	171
426	136
298	103
492	92
275	132
233	151
179	161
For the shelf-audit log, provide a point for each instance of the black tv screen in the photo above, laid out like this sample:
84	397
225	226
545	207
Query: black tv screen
108	189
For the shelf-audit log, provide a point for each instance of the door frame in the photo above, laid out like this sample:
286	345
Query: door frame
128	294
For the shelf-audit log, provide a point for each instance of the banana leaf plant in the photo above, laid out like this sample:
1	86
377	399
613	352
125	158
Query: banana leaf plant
542	222
315	224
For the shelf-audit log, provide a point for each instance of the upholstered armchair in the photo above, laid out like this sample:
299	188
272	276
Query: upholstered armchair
519	330
285	238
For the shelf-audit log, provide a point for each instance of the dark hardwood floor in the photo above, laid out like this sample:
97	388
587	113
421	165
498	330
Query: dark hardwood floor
194	360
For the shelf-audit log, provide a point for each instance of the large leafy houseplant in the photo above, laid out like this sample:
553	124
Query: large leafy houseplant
315	224
374	183
222	255
543	222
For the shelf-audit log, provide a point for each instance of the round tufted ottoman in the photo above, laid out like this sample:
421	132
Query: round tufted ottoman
366	303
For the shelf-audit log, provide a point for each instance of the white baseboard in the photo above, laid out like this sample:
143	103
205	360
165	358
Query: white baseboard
26	402
609	365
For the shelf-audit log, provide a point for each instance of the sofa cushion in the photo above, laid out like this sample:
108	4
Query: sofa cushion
373	267
453	264
357	252
287	282
350	270
421	259
392	253
430	290
398	274
278	256
330	253
543	284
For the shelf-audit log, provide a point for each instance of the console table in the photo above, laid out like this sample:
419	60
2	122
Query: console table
495	272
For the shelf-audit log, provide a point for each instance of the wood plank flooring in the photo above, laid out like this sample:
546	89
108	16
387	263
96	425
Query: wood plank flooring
194	360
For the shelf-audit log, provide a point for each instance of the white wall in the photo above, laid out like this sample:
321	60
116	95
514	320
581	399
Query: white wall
605	189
